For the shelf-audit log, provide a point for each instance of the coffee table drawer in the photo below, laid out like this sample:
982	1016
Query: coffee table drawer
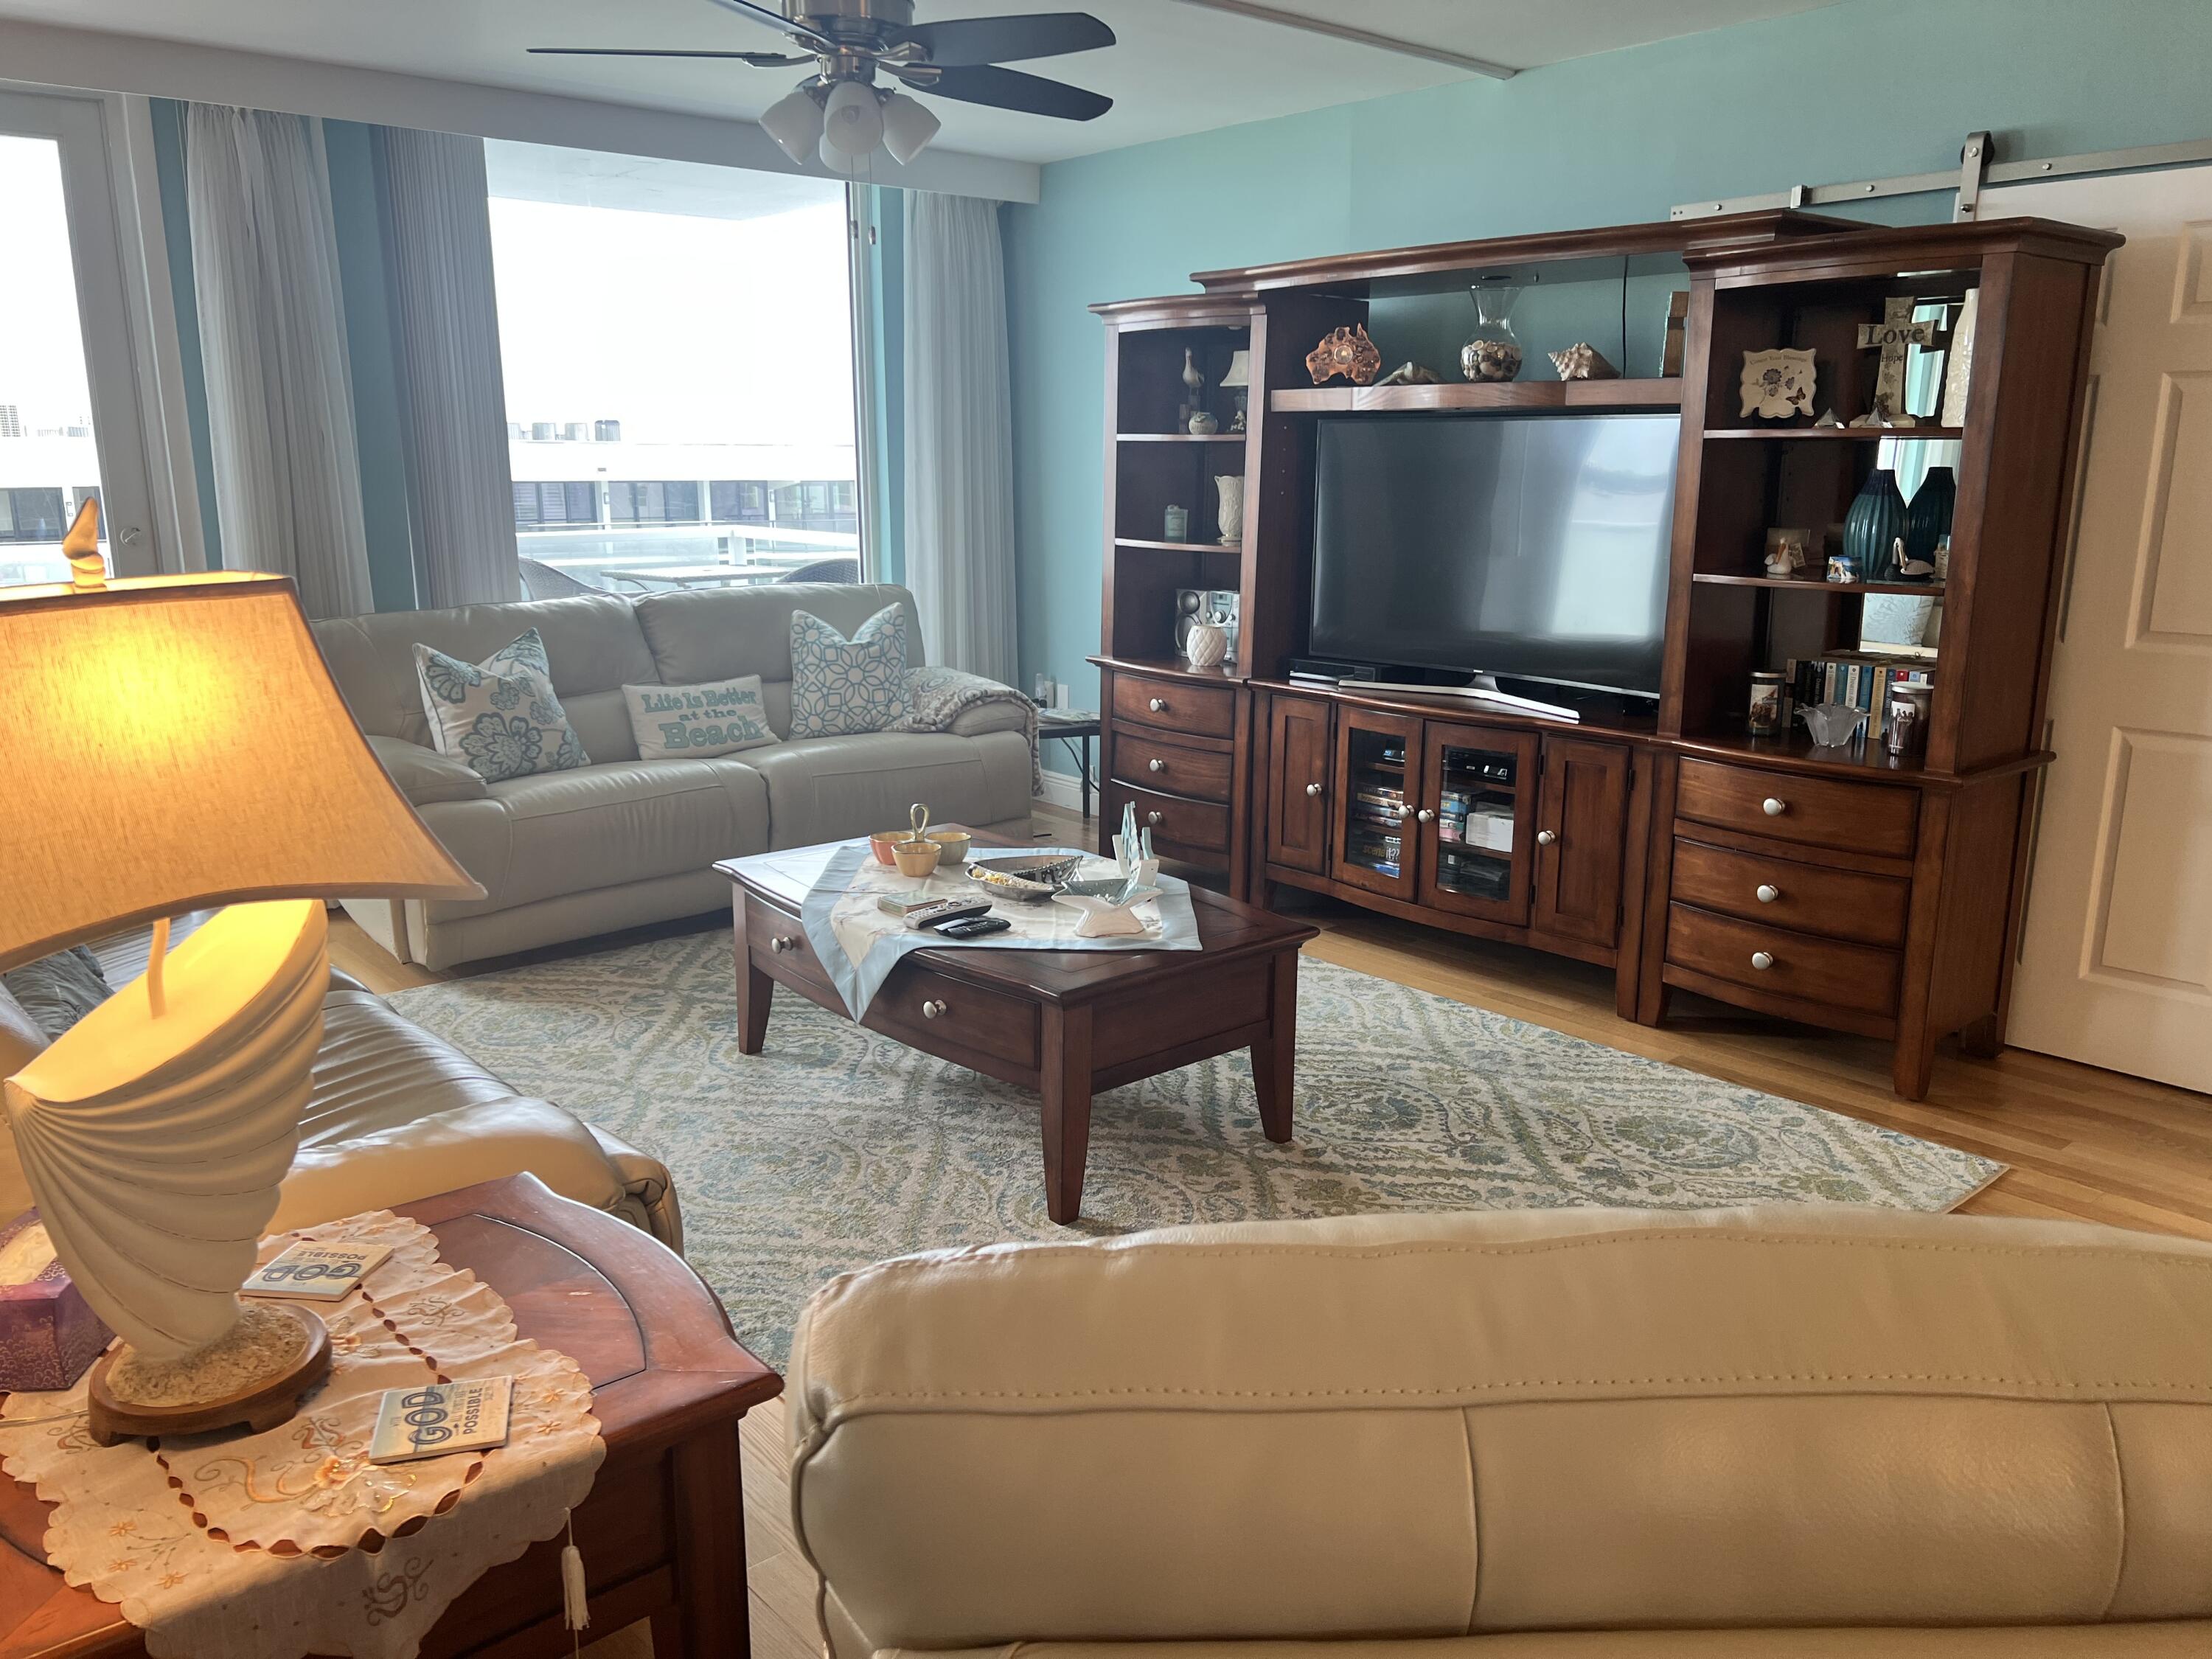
1783	963
1858	818
778	942
1206	711
1780	892
1200	825
934	1012
1149	763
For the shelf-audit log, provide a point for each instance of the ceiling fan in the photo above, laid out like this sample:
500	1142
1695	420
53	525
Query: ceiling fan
839	113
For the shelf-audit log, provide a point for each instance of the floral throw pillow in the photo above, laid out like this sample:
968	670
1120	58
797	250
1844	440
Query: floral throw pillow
840	686
673	721
499	716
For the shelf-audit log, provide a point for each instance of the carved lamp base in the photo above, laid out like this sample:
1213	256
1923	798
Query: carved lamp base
253	1375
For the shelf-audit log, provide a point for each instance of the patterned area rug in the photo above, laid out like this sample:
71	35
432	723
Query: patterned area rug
837	1147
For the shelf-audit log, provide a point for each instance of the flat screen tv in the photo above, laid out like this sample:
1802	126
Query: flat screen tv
1531	546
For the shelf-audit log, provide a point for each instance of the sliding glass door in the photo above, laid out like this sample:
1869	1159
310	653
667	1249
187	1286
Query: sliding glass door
676	341
70	427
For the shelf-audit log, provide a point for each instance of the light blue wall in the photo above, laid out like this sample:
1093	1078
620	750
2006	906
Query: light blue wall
1861	90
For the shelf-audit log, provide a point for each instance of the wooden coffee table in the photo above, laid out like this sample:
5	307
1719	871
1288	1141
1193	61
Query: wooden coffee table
662	1534
1064	1023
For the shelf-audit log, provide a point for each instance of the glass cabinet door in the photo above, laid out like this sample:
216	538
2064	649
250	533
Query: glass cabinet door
1378	762
1476	816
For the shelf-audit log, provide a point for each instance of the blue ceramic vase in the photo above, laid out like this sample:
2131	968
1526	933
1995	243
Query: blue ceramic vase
1872	526
1928	520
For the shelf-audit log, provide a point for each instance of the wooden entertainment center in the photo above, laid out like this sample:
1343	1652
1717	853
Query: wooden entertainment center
1845	887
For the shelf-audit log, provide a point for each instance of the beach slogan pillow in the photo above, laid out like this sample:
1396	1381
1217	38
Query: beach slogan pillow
674	722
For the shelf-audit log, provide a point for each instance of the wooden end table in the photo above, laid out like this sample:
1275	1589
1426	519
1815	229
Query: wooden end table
1064	1023
663	1531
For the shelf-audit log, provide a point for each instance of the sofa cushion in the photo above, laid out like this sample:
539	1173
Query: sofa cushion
592	644
500	716
701	635
693	722
830	788
602	826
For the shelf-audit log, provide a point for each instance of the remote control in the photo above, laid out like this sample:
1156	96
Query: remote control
944	910
974	927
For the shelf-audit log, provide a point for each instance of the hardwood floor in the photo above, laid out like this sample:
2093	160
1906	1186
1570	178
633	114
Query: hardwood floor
2083	1145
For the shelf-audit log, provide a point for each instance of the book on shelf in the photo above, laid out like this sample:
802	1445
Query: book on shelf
1857	679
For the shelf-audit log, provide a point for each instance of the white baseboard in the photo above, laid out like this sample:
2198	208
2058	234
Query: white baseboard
1061	789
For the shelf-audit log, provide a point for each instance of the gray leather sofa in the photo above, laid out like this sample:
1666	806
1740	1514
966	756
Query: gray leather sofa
564	855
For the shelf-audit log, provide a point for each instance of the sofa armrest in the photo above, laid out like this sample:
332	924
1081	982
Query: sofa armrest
986	717
424	775
435	1154
652	1194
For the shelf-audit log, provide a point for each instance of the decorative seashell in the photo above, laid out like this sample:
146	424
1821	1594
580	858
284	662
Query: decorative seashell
1410	374
1490	359
1583	361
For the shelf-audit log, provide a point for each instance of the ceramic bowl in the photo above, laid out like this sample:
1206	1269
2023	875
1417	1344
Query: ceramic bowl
916	858
883	842
952	845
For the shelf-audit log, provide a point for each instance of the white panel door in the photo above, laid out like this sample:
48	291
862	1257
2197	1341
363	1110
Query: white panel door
2115	964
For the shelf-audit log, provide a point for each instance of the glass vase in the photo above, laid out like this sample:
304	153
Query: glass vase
1493	352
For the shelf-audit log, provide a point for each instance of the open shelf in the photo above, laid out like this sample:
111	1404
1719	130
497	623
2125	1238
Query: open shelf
1459	395
1916	590
1797	752
1180	547
1180	437
1861	435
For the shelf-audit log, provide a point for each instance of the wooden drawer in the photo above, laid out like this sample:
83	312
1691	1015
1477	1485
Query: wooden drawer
765	927
1858	818
1825	971
965	1016
1206	711
1149	763
1197	824
1807	898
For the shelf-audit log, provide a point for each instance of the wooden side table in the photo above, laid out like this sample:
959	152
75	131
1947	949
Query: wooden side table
663	1531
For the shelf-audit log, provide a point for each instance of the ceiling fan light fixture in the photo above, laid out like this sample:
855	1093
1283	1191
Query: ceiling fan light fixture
853	120
795	123
907	127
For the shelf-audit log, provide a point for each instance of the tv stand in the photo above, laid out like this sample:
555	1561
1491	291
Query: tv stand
1482	689
1850	889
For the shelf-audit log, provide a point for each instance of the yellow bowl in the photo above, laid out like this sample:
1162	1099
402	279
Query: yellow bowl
916	858
951	844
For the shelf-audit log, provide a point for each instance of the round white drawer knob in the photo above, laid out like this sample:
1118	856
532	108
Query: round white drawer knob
1773	808
1156	765
1425	816
1544	838
781	943
1154	819
1313	789
932	1010
1158	705
1762	960
1768	892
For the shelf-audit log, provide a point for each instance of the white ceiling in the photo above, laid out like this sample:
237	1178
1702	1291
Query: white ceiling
1178	69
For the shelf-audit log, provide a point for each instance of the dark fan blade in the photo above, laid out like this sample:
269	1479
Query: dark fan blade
977	40
776	20
1007	88
757	59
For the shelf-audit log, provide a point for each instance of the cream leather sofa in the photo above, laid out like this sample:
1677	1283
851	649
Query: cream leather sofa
564	855
1538	1434
395	1115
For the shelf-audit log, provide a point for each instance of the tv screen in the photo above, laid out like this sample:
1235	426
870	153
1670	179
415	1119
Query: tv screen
1535	546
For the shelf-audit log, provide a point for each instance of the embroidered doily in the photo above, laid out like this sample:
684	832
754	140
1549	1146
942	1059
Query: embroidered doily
272	1545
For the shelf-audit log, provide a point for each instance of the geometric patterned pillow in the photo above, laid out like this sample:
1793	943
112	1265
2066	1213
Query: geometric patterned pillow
499	716
840	686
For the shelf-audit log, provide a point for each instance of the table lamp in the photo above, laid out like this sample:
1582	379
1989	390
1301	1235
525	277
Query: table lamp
1239	380
172	744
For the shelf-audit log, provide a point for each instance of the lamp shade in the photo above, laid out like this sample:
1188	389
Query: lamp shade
170	743
1240	369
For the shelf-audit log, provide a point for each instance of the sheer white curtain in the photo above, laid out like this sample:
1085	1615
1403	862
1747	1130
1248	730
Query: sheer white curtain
446	324
959	436
280	400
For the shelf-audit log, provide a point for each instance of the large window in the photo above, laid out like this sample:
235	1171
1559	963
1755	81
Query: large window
678	338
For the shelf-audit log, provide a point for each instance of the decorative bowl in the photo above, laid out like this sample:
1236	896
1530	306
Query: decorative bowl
1831	723
951	845
884	842
916	858
1030	877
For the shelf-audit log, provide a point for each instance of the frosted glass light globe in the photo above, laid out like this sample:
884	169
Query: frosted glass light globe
851	121
794	121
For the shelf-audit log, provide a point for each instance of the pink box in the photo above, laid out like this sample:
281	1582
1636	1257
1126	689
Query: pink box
47	1334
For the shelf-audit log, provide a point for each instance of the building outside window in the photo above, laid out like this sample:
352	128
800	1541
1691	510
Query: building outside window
695	419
